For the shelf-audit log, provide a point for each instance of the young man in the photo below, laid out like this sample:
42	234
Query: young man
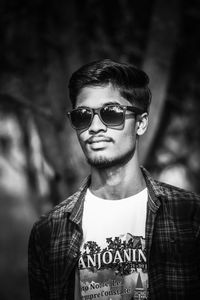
122	235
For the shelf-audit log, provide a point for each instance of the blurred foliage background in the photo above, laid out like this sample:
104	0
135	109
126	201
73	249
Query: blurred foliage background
42	43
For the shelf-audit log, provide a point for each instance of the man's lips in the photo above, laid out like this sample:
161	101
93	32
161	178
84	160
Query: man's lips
98	139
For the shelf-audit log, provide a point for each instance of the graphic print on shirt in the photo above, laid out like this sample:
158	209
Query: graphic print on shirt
116	270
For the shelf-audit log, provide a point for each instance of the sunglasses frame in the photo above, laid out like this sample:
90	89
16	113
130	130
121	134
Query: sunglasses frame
97	111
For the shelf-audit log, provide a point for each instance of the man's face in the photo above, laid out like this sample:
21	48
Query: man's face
104	146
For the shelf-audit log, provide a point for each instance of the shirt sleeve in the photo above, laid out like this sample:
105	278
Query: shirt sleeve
37	272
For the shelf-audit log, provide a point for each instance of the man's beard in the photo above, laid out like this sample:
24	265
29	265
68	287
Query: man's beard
105	163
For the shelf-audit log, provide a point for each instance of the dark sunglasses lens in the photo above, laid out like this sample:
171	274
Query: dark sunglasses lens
112	115
80	118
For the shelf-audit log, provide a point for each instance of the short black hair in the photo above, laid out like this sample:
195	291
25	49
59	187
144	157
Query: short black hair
131	81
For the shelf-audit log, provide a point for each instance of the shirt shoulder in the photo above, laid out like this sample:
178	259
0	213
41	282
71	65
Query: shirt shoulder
176	203
181	206
173	193
167	191
60	213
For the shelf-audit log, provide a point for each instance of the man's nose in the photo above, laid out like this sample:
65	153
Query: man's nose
97	124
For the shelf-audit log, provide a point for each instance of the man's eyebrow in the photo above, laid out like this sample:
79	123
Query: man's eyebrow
103	104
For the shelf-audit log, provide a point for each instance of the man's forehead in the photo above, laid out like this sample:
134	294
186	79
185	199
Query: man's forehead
96	96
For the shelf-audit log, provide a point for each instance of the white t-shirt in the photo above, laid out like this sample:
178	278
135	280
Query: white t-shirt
113	260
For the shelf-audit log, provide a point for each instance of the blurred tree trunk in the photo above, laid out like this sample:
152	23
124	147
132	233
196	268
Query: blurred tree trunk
161	46
56	136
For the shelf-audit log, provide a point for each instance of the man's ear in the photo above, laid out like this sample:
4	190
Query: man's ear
142	123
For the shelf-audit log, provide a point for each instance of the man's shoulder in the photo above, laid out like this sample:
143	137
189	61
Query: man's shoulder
53	221
61	211
56	213
181	204
172	192
44	225
167	191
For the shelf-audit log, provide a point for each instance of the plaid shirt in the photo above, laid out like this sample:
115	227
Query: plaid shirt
172	243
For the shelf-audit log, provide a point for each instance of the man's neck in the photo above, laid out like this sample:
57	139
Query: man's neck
117	182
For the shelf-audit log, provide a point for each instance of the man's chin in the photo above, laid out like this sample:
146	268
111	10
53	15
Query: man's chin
101	163
105	163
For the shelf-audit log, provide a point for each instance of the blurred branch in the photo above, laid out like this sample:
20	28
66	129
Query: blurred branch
10	102
162	43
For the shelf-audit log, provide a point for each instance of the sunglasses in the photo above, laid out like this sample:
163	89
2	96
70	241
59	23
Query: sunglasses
110	115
